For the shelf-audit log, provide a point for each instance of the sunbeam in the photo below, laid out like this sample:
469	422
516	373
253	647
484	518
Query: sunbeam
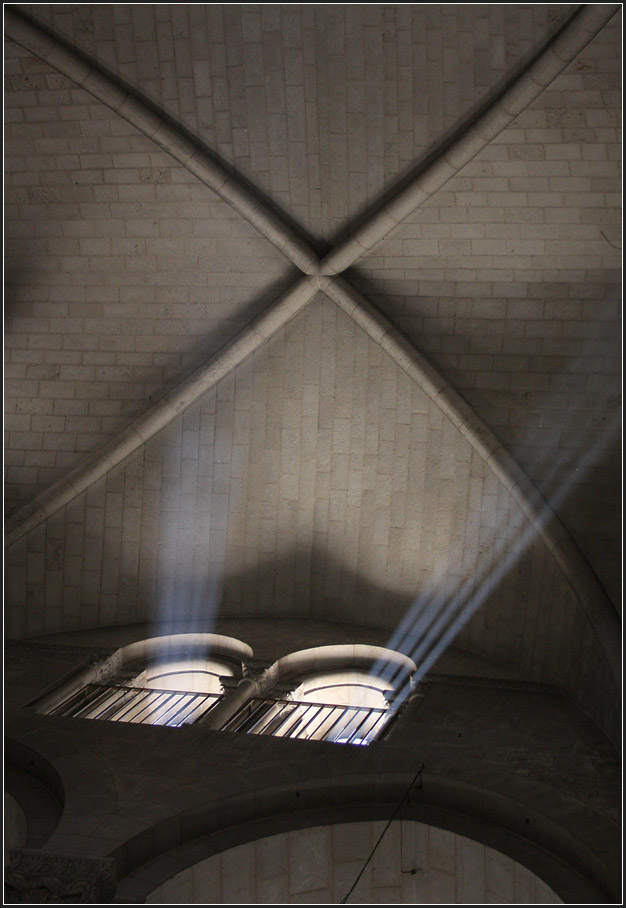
188	580
436	618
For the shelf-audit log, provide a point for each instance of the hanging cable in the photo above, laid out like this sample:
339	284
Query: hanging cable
404	798
619	248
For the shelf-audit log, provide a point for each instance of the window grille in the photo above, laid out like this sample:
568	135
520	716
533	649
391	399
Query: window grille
310	721
145	706
280	718
183	679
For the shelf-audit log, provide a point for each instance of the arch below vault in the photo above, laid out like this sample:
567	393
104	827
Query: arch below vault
500	823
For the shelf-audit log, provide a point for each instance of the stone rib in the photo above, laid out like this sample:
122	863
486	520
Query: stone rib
578	32
162	413
189	154
596	606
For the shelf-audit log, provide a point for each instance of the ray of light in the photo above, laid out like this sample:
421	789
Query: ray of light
187	590
435	619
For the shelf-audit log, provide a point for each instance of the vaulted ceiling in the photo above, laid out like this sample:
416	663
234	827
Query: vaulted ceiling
309	311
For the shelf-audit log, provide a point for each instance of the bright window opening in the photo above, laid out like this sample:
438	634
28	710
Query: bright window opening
326	693
174	693
346	706
170	680
200	676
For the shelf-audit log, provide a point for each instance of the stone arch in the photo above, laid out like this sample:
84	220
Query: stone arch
492	819
36	789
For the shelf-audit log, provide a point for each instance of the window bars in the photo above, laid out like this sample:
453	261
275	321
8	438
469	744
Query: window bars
146	706
310	721
280	718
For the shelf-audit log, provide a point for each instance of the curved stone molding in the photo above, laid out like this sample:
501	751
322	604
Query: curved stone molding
415	859
15	824
596	605
579	31
26	761
99	670
162	413
339	656
529	836
188	153
197	645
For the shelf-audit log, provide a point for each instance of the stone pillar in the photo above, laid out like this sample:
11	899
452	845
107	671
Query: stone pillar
217	717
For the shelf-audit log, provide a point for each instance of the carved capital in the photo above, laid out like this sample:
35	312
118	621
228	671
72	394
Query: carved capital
106	669
39	877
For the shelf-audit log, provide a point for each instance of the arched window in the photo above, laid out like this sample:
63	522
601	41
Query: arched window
334	693
345	694
184	673
171	680
364	701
